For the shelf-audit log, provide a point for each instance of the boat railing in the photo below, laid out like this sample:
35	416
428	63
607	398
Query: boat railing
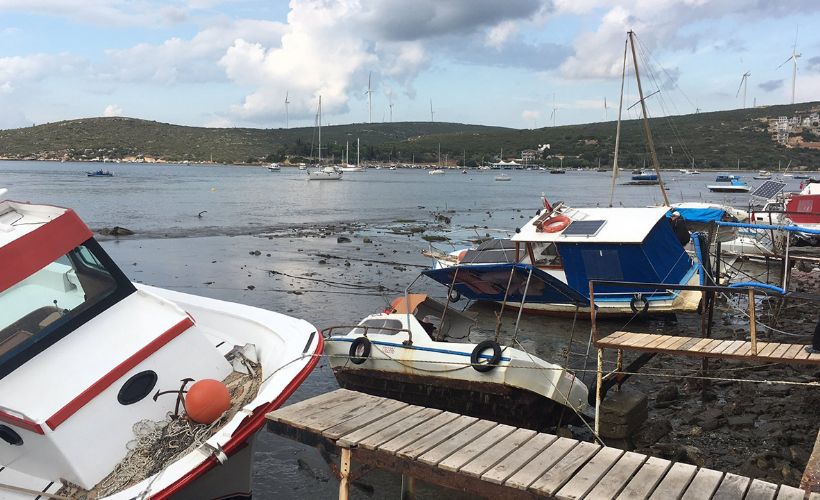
328	332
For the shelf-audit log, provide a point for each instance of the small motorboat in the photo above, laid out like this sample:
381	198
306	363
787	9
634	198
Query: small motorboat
402	353
274	167
763	175
558	171
328	173
351	168
437	171
503	177
726	177
645	176
735	186
111	389
100	173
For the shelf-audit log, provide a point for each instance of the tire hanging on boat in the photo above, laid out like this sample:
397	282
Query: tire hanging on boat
454	295
475	357
633	304
359	350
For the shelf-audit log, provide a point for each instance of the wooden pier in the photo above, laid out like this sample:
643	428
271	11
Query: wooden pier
495	460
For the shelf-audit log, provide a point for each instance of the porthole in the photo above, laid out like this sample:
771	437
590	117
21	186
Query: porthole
137	387
10	436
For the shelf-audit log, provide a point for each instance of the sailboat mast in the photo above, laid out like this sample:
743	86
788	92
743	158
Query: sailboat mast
347	150
320	130
618	132
646	123
357	152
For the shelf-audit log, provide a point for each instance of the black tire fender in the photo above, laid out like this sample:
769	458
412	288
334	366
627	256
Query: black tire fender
475	356
359	350
633	304
454	295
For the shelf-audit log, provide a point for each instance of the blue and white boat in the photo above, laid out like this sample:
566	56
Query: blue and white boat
726	177
734	186
100	173
645	176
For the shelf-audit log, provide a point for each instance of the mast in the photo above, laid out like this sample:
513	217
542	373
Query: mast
357	151
320	130
646	122
618	131
347	150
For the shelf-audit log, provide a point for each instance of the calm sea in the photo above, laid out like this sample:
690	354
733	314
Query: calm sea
294	224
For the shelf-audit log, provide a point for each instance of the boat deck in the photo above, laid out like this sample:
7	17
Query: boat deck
494	460
705	347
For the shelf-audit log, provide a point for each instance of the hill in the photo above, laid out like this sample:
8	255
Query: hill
715	140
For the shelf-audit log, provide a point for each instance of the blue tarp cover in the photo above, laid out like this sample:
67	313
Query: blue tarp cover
488	282
699	214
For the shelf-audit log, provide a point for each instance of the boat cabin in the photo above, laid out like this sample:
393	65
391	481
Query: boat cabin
438	320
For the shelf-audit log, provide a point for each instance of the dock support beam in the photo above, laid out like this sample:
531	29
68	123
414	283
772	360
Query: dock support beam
344	474
598	386
752	321
408	487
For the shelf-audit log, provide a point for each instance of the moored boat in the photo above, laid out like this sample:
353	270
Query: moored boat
100	173
503	177
735	186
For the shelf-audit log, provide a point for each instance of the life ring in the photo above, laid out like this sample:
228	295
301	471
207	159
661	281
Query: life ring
359	350
454	295
477	354
633	304
555	224
460	256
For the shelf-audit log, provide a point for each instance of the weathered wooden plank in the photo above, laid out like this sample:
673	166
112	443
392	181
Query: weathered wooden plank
706	346
761	490
589	475
620	474
790	493
741	345
780	351
703	485
614	336
645	480
456	442
356	436
744	351
648	339
562	472
386	407
495	454
339	413
658	340
732	487
675	481
515	461
628	339
802	354
437	437
689	344
669	342
767	351
732	346
700	344
814	357
541	463
474	448
320	403
419	431
792	351
675	346
386	434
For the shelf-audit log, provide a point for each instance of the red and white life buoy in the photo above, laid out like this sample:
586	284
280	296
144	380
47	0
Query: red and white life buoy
555	224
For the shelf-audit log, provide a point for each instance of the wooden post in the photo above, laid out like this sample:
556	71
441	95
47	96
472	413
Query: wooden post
594	331
599	384
752	321
344	473
408	487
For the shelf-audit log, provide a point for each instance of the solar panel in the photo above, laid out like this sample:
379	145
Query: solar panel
584	227
768	189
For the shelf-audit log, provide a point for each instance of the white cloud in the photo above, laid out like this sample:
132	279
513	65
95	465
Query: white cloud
107	12
499	34
36	67
112	110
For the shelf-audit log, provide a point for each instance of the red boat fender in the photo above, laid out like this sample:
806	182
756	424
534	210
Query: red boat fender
555	224
207	400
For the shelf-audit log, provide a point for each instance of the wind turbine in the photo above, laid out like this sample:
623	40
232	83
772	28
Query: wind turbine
369	93
432	114
793	59
286	109
743	81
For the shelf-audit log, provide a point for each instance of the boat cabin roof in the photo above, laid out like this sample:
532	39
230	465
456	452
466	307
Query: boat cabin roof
619	225
19	219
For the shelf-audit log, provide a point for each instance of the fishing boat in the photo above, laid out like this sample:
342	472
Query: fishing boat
274	167
100	173
735	186
503	177
645	176
401	353
112	389
328	172
763	175
726	177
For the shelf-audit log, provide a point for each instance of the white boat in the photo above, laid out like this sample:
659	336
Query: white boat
503	177
763	175
735	186
350	168
97	373
437	171
274	167
328	172
395	354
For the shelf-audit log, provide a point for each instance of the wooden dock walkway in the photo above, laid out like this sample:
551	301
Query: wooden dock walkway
769	352
494	460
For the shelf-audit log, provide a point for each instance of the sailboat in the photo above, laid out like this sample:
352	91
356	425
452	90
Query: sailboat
329	172
352	168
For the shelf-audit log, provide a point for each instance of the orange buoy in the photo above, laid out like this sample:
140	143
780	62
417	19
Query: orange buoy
555	224
207	400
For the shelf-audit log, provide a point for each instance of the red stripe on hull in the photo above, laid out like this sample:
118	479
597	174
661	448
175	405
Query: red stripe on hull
21	423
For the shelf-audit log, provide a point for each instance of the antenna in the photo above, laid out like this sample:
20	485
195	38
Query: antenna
369	93
793	59
743	81
286	109
432	114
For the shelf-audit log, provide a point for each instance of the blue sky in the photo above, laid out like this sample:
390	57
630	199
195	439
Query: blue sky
231	63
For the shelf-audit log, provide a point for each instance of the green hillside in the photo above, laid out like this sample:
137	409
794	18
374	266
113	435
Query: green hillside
715	140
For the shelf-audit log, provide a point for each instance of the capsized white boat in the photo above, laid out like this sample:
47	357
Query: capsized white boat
97	372
401	353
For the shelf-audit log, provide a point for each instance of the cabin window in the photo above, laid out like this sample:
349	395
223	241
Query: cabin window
379	326
44	307
602	265
546	254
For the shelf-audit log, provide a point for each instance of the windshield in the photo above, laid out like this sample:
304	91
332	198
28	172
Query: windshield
53	301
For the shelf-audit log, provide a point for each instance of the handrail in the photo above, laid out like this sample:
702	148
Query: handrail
665	286
327	332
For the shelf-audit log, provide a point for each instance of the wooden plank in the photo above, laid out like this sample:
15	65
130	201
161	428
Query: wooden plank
701	343
541	463
674	346
495	454
339	413
711	345
802	354
437	437
657	341
614	336
387	407
645	480
739	345
649	338
501	471
792	351
474	448
780	351
386	434
790	493
813	357
718	348
670	341
767	351
731	347
320	403
675	482
744	351
705	483
413	435
732	487
589	475
354	437
456	442
689	344
628	339
761	490
617	477
560	473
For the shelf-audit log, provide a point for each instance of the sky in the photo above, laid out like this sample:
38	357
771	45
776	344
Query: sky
513	63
